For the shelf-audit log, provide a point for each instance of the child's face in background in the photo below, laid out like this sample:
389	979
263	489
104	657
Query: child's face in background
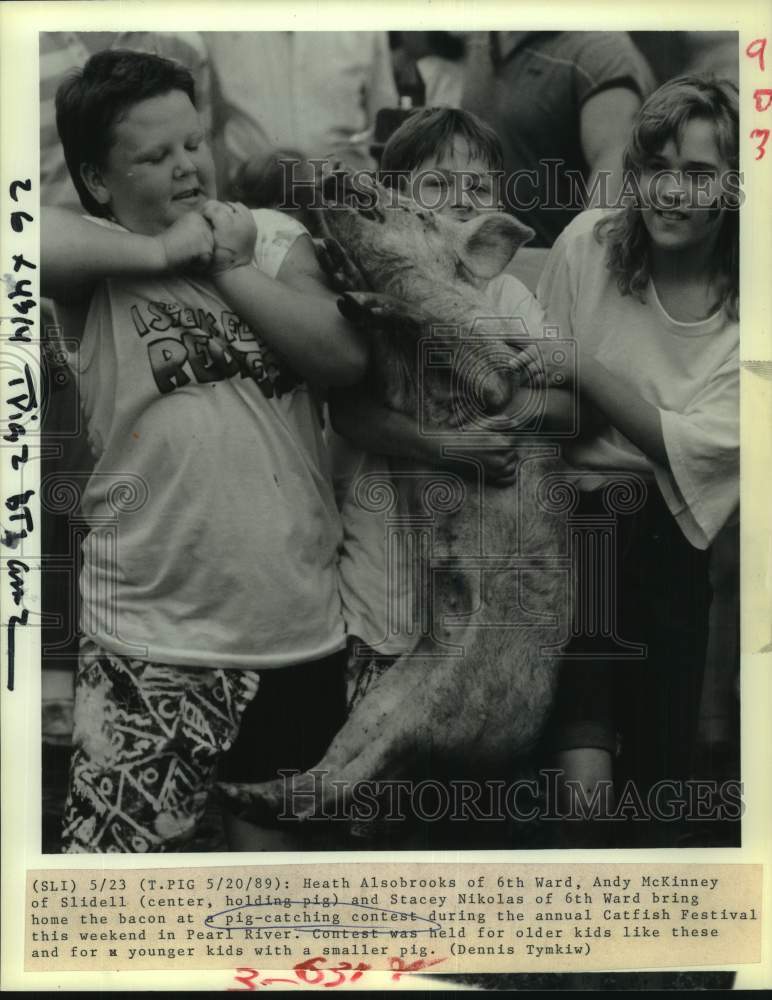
159	166
689	183
456	183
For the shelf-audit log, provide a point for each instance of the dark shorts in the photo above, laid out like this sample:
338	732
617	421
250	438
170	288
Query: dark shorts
645	707
292	721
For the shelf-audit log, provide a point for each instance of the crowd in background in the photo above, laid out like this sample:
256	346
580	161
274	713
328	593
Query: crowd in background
563	95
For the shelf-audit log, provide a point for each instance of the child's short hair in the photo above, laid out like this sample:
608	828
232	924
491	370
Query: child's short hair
430	132
92	100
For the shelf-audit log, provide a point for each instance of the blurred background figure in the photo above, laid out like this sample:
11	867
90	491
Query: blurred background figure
558	96
713	52
60	52
281	180
429	66
316	92
675	53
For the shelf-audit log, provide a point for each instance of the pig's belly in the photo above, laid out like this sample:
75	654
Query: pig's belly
487	709
493	563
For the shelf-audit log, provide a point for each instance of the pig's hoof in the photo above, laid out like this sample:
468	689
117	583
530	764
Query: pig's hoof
377	310
358	306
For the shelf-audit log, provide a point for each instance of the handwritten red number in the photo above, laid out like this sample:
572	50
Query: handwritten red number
763	135
343	968
307	972
303	968
761	94
248	979
399	968
340	972
756	51
362	967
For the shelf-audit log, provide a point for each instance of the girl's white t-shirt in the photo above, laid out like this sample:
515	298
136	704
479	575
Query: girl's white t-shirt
689	371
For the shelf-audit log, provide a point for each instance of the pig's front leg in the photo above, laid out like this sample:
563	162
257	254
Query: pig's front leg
342	272
376	310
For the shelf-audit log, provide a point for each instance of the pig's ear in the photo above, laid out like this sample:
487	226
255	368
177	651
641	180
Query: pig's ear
488	244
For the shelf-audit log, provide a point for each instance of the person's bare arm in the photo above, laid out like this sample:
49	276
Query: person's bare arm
611	396
296	313
357	414
556	408
76	253
604	126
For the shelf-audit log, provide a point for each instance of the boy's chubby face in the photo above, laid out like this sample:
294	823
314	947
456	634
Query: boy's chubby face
159	166
456	183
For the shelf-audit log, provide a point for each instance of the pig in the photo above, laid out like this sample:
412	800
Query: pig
481	711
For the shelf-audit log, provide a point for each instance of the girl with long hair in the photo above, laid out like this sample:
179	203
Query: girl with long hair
649	293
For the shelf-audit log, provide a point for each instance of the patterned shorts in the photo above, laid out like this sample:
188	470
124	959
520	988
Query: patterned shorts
147	740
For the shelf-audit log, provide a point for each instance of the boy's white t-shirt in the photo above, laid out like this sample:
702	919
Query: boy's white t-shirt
689	371
376	587
213	525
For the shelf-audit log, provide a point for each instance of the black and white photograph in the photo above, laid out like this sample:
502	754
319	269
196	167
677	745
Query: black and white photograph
388	439
385	489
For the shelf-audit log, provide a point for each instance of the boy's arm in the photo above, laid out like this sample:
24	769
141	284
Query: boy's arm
298	316
295	313
76	253
358	415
